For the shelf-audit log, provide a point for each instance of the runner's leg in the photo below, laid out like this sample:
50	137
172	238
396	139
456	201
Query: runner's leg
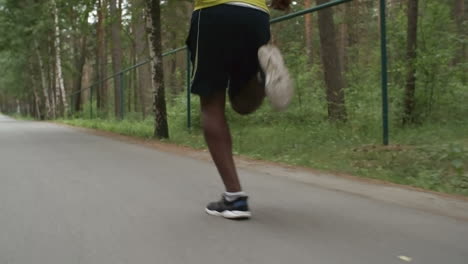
218	138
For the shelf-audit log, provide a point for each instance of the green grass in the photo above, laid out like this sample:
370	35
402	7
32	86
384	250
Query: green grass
21	117
432	155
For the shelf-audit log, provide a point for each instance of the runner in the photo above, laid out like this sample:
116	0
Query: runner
228	41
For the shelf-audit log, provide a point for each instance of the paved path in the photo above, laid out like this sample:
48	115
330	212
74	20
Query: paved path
69	197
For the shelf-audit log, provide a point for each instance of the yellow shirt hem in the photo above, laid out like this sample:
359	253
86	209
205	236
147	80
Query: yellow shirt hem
200	4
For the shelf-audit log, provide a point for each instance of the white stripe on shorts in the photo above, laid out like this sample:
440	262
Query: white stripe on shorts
195	63
246	5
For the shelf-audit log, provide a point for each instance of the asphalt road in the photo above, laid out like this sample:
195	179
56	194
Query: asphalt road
70	197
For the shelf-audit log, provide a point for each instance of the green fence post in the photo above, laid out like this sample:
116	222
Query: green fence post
121	91
189	111
383	42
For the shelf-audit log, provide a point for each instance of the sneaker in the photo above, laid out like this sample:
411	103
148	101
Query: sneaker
237	209
278	84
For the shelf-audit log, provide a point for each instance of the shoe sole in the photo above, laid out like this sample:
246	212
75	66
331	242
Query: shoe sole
279	87
230	214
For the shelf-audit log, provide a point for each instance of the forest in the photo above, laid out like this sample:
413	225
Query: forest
121	66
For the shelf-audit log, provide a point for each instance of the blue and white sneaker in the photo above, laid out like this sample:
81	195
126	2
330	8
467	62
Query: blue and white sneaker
237	209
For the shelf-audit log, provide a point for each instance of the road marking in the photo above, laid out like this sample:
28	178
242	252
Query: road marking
405	258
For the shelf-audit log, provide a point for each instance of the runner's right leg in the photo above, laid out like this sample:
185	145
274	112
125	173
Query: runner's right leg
218	138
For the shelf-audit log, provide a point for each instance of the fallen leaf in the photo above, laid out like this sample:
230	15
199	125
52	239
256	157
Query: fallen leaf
405	258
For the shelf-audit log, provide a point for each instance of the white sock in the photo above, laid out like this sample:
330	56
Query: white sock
231	196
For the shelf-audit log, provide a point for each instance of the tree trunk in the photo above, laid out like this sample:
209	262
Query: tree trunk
18	107
159	102
3	104
88	79
131	87
51	77
54	83
101	58
410	88
37	103
172	65
308	31
342	42
35	98
80	42
349	34
137	106
48	110
116	27
80	59
58	62
459	14
331	65
142	53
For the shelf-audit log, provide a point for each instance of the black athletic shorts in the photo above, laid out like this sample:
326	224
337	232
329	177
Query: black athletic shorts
224	41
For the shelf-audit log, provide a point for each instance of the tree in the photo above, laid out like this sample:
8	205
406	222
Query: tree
48	111
142	53
36	102
308	31
411	46
59	82
459	13
176	16
22	26
101	56
331	65
349	36
116	50
159	101
80	32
